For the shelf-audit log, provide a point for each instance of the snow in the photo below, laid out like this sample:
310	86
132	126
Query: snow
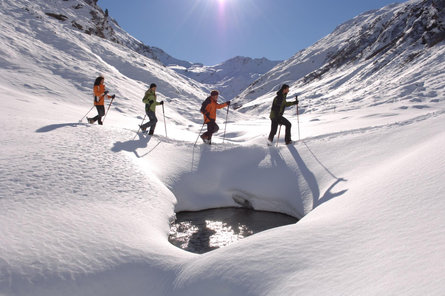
230	77
353	66
85	209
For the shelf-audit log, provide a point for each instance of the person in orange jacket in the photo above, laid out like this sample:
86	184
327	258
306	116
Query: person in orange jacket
208	109
99	99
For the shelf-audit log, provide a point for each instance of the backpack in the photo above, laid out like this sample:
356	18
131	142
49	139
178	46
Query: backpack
204	106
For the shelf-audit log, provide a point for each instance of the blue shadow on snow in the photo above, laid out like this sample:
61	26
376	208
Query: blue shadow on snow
134	145
51	127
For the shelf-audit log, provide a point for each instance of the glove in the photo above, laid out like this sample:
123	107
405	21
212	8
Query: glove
113	96
162	103
105	92
228	103
296	101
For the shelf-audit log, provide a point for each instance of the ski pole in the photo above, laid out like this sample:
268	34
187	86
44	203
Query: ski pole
108	109
225	126
141	123
298	122
279	131
86	114
165	124
296	99
199	134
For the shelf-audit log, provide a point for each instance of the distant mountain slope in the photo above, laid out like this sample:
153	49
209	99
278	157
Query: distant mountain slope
400	44
88	17
230	77
71	40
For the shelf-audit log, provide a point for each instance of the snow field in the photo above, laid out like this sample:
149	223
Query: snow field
83	216
85	209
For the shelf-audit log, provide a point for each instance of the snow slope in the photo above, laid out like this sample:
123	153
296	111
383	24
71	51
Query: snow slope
230	77
36	43
401	45
85	209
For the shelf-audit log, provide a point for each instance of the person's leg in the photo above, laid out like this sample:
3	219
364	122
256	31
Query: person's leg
152	122
288	125
213	129
273	129
101	111
93	119
205	136
145	125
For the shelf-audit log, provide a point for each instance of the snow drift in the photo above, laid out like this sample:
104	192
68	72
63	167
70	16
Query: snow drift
85	209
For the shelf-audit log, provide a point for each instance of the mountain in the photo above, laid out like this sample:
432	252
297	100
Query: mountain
399	45
230	77
51	34
88	17
85	209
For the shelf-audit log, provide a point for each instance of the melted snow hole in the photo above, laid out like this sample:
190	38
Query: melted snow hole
204	231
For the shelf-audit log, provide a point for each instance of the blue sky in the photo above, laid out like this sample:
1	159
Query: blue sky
212	31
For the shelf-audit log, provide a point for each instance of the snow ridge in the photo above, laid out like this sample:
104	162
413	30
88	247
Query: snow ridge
230	77
85	209
351	62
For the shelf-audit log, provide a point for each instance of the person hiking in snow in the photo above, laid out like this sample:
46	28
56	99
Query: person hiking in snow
150	109
276	115
99	99
208	109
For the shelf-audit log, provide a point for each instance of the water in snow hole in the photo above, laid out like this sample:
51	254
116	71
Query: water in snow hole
203	231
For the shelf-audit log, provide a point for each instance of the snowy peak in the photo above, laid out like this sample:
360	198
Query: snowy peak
239	62
230	77
369	47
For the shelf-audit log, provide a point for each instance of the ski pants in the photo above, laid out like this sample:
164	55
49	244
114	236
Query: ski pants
212	128
100	114
152	121
274	126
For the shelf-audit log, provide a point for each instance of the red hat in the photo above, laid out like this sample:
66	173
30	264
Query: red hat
214	93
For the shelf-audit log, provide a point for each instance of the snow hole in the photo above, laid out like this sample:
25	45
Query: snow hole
204	231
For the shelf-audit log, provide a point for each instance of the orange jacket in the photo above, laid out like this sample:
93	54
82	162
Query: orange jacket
209	109
99	95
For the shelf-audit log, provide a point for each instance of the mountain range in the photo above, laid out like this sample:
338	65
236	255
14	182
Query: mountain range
85	209
399	45
230	77
373	47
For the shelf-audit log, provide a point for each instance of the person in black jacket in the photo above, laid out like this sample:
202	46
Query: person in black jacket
276	115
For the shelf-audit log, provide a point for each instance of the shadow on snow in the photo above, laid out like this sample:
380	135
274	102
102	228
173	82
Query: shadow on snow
51	127
256	177
135	144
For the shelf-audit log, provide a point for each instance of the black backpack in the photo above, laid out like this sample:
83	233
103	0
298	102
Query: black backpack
204	105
